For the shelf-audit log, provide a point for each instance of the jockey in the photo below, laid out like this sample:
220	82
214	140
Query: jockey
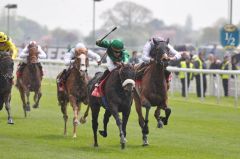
146	58
69	58
24	55
6	46
116	55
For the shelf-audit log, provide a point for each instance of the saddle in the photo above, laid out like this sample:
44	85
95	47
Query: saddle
141	69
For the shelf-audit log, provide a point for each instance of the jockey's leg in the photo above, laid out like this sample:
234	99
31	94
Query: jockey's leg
140	71
20	69
105	74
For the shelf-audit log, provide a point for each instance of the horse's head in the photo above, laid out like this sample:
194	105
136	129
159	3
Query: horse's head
81	61
33	53
160	52
127	77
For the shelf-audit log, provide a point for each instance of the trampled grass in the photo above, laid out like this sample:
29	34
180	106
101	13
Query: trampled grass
196	130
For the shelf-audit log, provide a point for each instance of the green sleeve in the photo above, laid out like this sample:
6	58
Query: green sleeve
125	56
104	43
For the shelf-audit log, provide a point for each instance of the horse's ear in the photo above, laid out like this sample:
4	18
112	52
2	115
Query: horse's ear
167	40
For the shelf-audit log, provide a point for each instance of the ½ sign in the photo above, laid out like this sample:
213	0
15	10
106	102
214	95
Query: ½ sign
229	36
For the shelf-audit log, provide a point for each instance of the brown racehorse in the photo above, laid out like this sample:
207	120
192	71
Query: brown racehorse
153	89
75	89
6	77
31	79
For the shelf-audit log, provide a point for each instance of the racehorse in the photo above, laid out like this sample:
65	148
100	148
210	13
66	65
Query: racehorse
75	89
30	80
118	97
152	90
6	77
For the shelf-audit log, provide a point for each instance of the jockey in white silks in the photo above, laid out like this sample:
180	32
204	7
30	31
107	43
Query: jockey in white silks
146	58
24	56
69	58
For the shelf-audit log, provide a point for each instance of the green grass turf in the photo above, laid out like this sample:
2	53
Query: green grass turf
197	129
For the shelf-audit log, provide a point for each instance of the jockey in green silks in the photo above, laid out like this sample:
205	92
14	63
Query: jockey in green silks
116	54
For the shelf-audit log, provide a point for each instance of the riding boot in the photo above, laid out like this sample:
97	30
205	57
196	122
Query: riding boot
140	71
105	74
20	69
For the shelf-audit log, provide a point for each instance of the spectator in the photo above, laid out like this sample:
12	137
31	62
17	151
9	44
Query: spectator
186	63
225	77
210	60
134	59
200	64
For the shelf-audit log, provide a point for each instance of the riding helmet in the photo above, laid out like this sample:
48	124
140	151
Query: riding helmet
3	37
117	44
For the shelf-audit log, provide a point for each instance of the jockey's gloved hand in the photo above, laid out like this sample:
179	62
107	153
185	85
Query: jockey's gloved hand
118	64
99	62
98	42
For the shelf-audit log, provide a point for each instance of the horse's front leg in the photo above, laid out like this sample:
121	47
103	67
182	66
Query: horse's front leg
28	103
157	116
107	115
115	114
76	109
37	97
124	123
7	100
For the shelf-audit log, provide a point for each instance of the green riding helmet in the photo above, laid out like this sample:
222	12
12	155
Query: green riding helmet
117	44
3	37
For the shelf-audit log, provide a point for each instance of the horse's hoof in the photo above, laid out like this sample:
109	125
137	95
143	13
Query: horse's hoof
75	136
103	133
10	121
27	108
145	144
123	146
83	120
164	120
95	145
35	106
160	124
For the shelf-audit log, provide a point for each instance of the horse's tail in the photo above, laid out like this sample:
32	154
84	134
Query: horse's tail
83	119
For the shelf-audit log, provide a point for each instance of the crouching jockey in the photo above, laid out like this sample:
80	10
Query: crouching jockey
116	55
69	58
24	54
7	46
146	58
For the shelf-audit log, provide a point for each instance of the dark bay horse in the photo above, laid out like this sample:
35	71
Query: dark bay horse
152	91
75	89
30	81
6	77
118	98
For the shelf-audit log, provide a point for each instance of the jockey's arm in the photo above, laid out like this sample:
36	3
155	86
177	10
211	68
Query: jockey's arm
94	55
42	54
177	55
125	56
68	57
13	49
24	53
103	43
146	52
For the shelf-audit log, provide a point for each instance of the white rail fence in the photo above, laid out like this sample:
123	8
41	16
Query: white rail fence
52	68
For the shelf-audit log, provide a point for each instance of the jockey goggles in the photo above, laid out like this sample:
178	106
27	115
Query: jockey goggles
117	51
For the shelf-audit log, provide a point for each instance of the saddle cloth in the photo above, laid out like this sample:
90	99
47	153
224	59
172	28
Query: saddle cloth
98	90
